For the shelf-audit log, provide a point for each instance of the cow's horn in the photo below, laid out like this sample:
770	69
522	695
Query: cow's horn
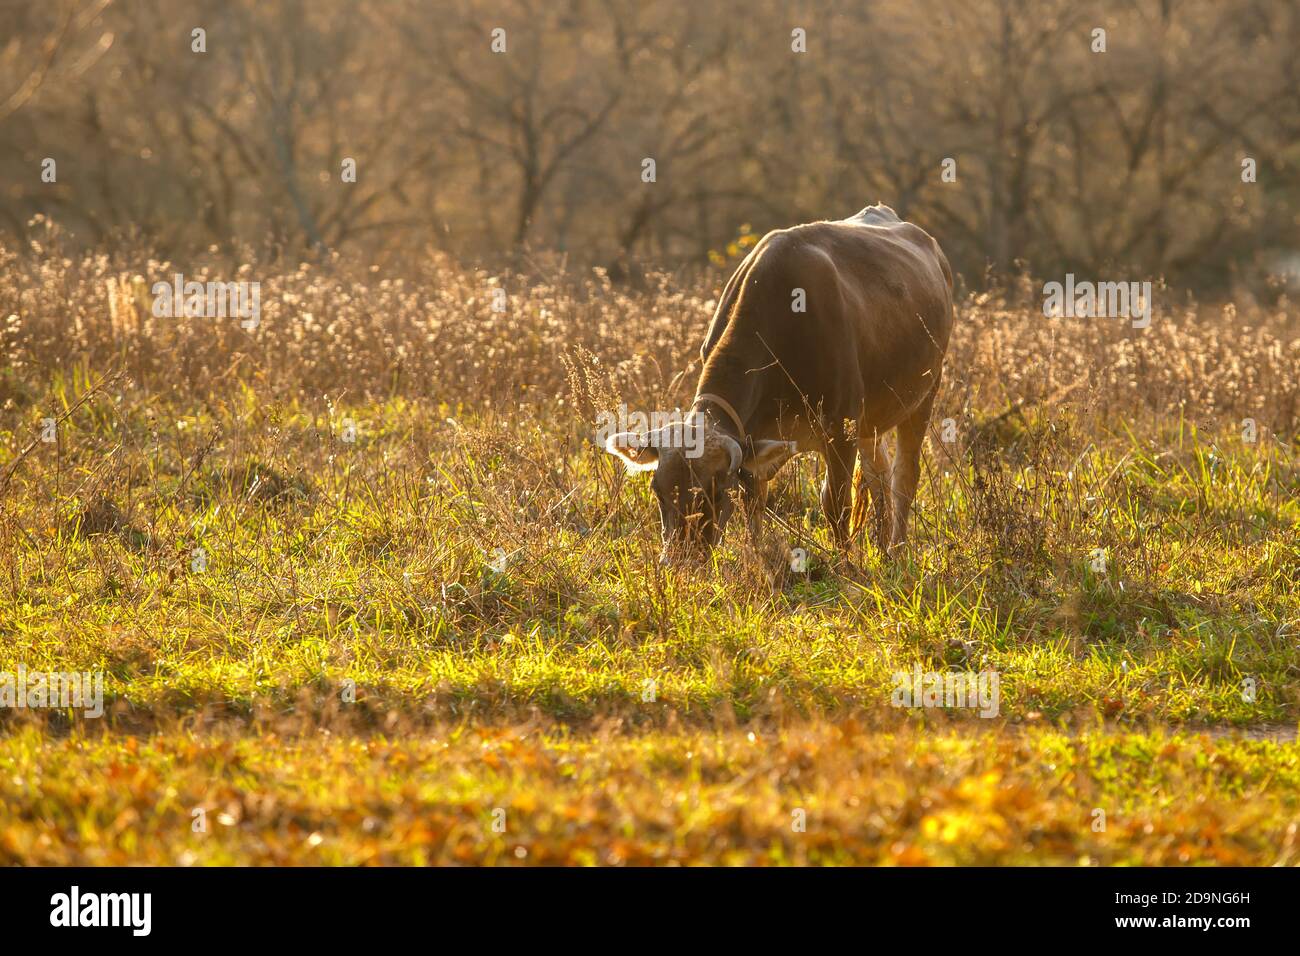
733	448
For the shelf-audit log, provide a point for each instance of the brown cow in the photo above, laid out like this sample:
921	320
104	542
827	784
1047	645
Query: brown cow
828	336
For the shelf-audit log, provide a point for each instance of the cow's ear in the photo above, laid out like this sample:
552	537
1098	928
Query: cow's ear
636	450
767	457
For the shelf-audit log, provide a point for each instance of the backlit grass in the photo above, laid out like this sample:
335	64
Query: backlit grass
354	650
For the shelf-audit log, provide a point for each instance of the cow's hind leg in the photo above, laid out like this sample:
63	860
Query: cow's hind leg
871	484
907	466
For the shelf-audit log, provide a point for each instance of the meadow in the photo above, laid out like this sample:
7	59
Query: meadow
364	589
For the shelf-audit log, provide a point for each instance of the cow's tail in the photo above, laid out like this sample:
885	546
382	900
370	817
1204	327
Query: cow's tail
861	497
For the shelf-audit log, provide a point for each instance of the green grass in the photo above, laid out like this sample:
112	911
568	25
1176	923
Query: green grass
368	563
349	674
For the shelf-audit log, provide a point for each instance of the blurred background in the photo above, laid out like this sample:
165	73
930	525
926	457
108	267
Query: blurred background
1112	165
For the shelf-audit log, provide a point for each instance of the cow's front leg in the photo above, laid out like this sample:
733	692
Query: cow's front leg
754	501
836	495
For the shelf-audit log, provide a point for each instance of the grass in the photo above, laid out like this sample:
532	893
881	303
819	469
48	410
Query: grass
348	610
834	794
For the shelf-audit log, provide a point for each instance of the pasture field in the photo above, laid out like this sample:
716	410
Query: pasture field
364	590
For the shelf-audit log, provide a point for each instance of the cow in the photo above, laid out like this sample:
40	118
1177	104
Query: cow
828	336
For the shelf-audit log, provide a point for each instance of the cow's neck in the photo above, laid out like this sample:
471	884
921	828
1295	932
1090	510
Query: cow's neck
735	379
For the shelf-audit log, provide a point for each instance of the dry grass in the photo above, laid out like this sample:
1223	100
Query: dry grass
826	794
331	564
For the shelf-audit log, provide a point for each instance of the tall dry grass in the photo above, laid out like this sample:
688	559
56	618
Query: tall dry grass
371	563
340	327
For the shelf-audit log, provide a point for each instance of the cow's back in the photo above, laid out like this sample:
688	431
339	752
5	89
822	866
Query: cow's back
876	294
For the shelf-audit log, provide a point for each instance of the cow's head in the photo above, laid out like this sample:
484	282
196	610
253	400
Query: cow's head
697	484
